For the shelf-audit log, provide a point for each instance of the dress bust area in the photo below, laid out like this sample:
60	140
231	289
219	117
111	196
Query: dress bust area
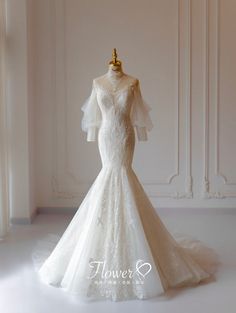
115	80
114	85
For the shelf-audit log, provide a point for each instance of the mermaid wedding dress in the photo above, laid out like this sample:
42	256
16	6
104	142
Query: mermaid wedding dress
116	247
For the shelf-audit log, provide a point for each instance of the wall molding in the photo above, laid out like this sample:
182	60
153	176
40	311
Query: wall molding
206	183
61	166
188	104
217	167
207	192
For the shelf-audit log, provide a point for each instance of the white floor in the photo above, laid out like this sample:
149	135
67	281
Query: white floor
22	292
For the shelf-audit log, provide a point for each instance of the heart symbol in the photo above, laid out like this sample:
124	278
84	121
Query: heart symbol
145	267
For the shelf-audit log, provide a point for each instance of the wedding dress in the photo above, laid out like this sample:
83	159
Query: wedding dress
116	247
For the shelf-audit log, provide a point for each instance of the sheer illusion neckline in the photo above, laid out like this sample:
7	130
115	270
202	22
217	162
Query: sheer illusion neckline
114	88
122	84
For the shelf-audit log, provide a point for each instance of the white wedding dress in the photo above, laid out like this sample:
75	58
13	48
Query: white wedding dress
116	247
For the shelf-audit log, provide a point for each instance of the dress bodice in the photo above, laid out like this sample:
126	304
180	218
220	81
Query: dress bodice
121	105
115	99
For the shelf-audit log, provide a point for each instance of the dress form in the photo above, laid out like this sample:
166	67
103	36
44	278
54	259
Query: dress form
114	76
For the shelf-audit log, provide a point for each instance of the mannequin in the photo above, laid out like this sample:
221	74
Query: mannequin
115	71
114	76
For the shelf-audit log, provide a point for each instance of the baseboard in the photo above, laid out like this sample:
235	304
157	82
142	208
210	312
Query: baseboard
194	210
21	220
163	210
24	220
56	210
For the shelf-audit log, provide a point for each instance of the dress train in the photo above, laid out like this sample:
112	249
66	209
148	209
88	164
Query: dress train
115	227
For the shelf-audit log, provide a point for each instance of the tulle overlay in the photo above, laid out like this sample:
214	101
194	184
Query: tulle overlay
116	224
116	246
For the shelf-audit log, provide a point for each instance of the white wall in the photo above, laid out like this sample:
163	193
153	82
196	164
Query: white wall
183	53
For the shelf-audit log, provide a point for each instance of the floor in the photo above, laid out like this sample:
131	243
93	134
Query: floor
22	292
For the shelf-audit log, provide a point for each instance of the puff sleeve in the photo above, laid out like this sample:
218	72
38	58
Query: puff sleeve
139	114
92	116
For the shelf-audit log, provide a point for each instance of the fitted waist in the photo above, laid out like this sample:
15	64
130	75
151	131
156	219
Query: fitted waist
107	123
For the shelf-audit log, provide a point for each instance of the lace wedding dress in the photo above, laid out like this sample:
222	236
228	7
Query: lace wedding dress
116	246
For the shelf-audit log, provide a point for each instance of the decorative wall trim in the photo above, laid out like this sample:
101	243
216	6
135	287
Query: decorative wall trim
188	104
207	193
60	95
217	168
61	166
206	183
186	6
176	173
